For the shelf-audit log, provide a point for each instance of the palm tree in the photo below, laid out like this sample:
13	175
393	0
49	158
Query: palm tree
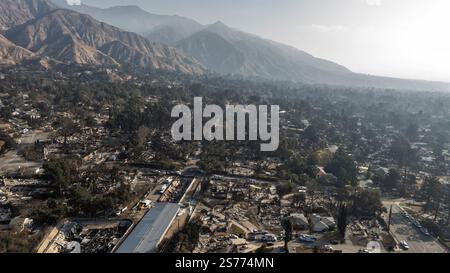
431	189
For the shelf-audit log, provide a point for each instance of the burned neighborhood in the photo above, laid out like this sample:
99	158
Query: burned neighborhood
319	159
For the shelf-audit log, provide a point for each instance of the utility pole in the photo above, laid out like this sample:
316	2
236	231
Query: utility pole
389	220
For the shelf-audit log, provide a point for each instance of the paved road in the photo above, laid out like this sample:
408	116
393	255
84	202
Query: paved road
403	230
12	161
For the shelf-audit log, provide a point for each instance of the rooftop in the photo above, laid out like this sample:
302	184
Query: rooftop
149	232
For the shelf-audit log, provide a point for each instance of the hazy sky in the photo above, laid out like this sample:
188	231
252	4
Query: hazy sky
400	38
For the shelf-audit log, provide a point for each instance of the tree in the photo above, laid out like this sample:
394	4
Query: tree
8	140
411	180
392	180
285	188
313	188
61	173
311	134
367	203
411	131
44	217
297	165
6	112
157	115
141	135
67	127
402	152
5	242
287	226
447	203
344	168
83	203
342	220
431	190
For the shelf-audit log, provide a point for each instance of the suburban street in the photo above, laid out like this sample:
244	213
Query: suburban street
11	161
404	230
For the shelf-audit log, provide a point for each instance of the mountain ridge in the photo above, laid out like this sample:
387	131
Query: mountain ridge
17	12
133	18
11	53
81	39
72	37
257	57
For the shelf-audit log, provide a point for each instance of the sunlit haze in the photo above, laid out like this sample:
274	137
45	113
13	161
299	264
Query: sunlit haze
399	38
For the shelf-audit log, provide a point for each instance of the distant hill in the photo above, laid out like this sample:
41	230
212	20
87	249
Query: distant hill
174	31
134	19
72	37
249	55
213	51
17	12
229	51
86	35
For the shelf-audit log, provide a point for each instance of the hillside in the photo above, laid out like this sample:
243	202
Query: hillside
72	37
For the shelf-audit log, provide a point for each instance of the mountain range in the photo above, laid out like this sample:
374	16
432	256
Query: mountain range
230	51
75	38
16	12
132	18
129	35
226	50
11	53
218	47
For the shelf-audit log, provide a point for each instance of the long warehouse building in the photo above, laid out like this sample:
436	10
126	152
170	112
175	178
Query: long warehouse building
150	231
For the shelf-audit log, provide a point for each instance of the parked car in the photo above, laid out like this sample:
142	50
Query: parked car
334	242
307	238
417	224
425	231
328	248
269	238
404	245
